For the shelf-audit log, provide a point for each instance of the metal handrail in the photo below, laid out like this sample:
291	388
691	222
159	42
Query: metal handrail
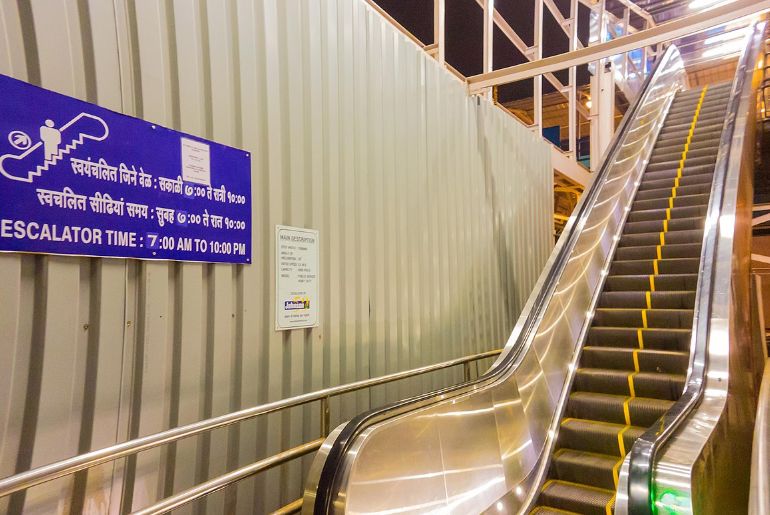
759	496
68	466
645	449
225	480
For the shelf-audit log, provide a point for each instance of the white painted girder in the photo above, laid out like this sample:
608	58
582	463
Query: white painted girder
664	32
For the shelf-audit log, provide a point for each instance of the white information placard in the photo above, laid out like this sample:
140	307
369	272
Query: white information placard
296	277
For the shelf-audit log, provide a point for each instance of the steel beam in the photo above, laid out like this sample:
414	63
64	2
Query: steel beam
489	29
665	32
572	101
570	168
528	52
439	39
638	10
538	85
557	15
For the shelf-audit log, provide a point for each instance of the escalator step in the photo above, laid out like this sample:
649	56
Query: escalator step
657	299
597	437
653	238
675	155
547	510
710	121
689	170
628	337
678	224
670	282
622	358
693	161
663	203
575	466
673	214
677	137
655	266
611	408
629	317
620	382
685	180
673	144
578	498
695	189
668	251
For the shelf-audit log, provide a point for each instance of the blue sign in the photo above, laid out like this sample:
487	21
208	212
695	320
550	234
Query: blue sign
79	179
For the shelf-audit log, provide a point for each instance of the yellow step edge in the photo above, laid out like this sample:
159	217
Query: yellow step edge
579	485
616	469
631	389
621	443
627	411
552	509
610	503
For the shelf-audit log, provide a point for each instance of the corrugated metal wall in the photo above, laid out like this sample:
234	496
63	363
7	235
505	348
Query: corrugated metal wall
434	212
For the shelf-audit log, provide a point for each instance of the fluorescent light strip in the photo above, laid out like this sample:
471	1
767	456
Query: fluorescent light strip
730	48
727	36
700	4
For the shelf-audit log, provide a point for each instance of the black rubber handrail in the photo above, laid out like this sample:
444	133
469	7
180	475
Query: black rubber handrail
329	479
646	447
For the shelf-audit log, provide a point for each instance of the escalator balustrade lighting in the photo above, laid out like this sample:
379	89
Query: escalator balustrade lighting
634	361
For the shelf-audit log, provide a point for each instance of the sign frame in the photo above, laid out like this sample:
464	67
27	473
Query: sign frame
77	179
293	296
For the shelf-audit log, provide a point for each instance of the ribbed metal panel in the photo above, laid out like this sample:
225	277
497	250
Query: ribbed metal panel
434	211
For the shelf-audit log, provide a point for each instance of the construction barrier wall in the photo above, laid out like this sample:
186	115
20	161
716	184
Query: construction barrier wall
435	217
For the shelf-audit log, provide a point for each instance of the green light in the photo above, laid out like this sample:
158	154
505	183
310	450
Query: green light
672	502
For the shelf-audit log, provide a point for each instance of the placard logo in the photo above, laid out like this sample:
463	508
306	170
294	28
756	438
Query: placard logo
296	303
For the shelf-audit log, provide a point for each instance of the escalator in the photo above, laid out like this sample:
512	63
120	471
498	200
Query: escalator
626	384
634	364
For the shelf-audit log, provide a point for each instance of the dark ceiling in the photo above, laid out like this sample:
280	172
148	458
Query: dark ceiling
464	32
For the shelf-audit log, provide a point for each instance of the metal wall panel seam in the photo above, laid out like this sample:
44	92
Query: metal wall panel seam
255	311
13	56
314	344
293	147
155	60
190	312
378	71
273	26
333	373
358	180
391	96
56	424
105	424
15	318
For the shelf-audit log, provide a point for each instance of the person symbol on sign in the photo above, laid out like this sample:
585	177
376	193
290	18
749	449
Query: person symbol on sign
51	138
